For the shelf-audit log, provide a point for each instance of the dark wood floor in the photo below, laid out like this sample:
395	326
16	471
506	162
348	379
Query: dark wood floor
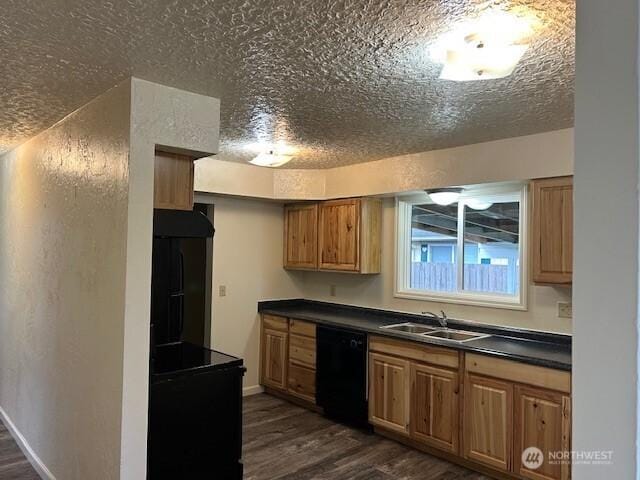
13	464
283	441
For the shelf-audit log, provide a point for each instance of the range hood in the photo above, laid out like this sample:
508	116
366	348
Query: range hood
181	224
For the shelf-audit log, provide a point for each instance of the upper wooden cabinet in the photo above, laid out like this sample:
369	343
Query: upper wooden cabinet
336	235
349	235
552	246
301	236
173	181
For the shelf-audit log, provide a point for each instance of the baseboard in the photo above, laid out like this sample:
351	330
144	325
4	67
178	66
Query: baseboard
253	390
34	460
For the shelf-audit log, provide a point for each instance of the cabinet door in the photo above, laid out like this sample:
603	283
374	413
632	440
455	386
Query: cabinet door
302	350
302	382
488	421
542	420
389	392
553	230
339	235
274	358
301	236
434	406
173	181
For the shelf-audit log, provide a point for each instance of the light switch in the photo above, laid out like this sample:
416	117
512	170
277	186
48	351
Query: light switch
332	290
222	290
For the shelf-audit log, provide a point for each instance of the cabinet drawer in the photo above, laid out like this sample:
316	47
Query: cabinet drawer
302	382
302	328
302	350
444	357
519	372
275	323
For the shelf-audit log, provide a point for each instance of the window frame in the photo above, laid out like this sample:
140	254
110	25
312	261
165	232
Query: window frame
402	256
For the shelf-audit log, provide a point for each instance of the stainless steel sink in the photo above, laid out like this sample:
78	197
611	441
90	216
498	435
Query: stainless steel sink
410	328
457	336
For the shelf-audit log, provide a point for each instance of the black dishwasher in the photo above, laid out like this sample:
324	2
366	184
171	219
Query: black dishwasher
342	374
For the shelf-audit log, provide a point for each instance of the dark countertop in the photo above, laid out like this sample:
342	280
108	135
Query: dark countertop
183	358
527	346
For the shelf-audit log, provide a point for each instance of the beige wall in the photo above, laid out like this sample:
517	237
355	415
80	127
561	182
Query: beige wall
63	232
546	154
248	240
185	122
377	291
76	210
247	259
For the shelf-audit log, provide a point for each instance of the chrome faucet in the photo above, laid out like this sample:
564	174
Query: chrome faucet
442	320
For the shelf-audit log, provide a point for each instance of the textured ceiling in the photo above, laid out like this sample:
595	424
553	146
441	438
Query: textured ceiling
345	81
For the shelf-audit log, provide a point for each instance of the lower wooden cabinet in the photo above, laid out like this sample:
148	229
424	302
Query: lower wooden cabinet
484	409
288	362
542	420
302	382
274	358
435	408
488	421
389	392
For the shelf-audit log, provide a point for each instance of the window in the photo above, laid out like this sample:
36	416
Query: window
468	252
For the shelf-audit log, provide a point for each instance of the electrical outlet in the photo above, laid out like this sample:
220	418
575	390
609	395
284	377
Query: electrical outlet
222	290
332	290
565	310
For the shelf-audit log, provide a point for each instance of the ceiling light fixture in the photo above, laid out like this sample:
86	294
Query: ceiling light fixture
270	159
444	196
271	155
486	49
478	204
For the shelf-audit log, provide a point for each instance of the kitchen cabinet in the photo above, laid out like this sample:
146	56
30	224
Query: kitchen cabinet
434	406
552	236
389	392
301	236
288	359
542	420
488	421
468	407
173	181
349	235
302	360
336	235
274	358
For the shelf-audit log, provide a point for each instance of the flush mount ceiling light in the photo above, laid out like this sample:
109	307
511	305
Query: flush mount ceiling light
270	159
478	204
486	49
444	196
271	155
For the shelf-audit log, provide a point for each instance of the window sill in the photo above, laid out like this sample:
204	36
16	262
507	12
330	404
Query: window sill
470	300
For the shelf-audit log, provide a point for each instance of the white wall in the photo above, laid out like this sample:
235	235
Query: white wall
247	259
605	343
63	232
377	291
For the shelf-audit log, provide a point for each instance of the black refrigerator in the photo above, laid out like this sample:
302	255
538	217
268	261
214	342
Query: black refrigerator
195	394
